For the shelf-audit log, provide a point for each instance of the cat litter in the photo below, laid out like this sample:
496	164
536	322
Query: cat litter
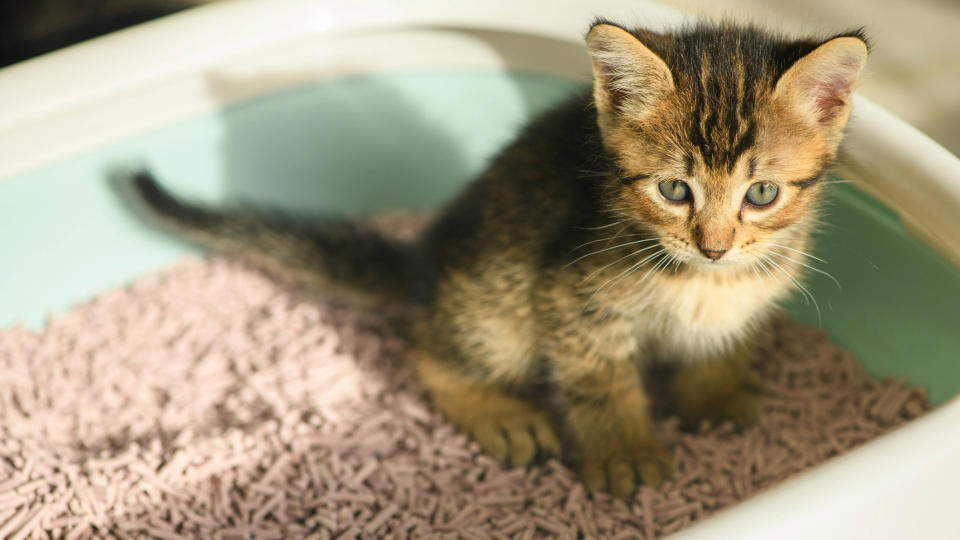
205	401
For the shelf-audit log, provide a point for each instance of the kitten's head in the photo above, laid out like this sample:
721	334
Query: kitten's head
719	135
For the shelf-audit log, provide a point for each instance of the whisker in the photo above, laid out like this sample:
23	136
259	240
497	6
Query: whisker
587	243
675	261
608	265
762	261
644	236
655	268
817	270
611	238
801	252
659	266
801	287
625	272
614	224
766	271
607	249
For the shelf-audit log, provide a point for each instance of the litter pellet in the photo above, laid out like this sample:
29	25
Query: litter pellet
206	401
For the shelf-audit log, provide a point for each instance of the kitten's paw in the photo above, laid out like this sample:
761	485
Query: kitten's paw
718	392
518	440
621	473
740	406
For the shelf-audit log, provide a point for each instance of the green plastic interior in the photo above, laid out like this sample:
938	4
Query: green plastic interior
410	140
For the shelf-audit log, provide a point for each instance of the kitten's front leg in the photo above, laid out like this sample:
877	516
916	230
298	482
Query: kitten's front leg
608	413
717	389
511	430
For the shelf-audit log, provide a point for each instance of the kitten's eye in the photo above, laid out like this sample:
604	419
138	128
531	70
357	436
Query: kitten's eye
675	190
762	193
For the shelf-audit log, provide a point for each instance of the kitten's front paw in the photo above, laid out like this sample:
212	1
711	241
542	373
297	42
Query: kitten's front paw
516	440
620	470
740	406
719	391
509	429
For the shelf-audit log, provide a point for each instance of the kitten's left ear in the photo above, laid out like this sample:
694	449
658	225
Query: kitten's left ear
628	77
821	83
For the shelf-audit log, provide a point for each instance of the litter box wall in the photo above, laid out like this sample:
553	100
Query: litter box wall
345	146
317	106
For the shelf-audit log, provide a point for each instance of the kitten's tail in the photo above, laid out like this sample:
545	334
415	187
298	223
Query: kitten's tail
340	259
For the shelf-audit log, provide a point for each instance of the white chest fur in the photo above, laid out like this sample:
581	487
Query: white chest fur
700	315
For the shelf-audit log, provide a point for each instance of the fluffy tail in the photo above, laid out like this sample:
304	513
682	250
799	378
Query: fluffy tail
338	258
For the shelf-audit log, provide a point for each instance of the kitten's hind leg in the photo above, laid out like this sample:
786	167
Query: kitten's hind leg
508	428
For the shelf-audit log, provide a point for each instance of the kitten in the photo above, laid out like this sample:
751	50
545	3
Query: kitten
659	219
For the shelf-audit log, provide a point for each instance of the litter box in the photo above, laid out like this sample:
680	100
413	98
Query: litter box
350	107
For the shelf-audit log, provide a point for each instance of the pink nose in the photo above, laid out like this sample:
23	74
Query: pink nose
713	254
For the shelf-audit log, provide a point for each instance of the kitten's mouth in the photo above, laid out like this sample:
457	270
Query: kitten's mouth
702	261
681	255
713	263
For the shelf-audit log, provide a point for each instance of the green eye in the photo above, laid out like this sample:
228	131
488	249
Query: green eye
675	190
762	193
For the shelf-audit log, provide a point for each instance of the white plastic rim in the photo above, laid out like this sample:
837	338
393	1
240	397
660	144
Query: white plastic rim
115	83
899	486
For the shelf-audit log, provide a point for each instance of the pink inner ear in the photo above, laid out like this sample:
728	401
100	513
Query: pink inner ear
831	97
608	77
831	90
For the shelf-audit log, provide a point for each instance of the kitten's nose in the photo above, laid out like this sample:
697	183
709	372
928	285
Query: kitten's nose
713	254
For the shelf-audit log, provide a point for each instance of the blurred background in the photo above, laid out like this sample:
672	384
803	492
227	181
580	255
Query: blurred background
914	69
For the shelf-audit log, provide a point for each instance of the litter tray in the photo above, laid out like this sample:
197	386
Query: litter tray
351	107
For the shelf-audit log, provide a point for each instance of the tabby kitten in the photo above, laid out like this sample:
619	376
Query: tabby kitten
659	219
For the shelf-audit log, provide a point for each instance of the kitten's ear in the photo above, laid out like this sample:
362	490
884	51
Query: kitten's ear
821	83
628	77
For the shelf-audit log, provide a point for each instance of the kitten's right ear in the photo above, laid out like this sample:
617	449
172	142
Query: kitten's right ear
628	77
820	84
